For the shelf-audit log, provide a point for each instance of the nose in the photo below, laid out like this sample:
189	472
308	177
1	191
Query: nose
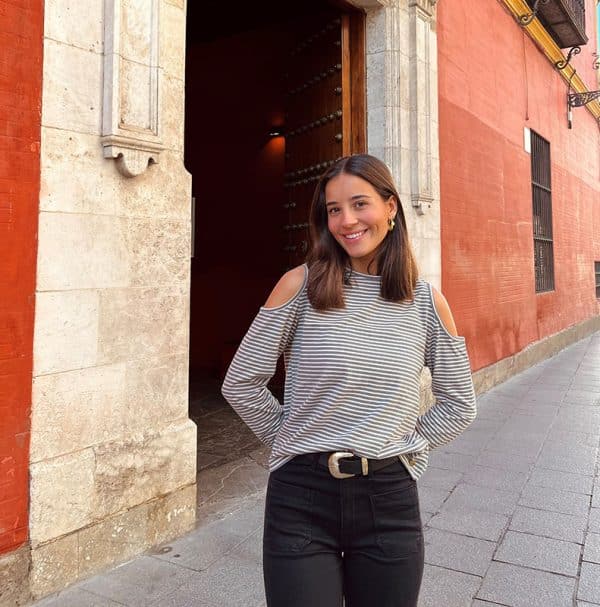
348	218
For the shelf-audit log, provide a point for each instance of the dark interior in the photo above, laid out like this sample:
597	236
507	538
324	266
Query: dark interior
236	55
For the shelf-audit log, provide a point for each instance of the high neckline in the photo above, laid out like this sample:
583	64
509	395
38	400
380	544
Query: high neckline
351	272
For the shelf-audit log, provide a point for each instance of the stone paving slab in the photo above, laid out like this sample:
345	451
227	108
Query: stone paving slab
503	480
444	587
594	520
511	511
582	397
491	413
210	542
549	524
571	450
452	461
458	552
566	437
505	461
470	443
596	494
76	597
425	517
592	548
522	587
515	445
473	497
555	556
544	498
584	466
141	582
478	524
440	478
432	498
236	579
576	483
589	583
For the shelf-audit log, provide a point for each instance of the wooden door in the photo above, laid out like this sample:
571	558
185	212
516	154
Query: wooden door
325	111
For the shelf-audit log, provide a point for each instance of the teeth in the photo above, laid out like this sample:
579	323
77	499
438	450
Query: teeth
353	236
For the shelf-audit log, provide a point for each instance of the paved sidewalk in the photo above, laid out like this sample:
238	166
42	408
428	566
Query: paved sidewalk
512	512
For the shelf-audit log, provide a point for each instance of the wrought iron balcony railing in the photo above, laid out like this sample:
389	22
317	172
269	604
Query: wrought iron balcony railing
564	20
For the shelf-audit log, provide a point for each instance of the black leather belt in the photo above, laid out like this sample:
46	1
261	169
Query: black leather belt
343	464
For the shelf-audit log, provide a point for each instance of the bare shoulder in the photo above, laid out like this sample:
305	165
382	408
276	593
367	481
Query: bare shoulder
443	310
288	286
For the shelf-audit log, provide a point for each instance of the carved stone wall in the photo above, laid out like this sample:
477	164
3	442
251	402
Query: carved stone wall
132	83
402	114
112	449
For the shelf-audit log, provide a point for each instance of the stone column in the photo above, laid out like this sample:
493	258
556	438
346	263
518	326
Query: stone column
424	135
402	114
112	449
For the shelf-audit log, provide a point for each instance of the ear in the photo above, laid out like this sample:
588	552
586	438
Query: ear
393	206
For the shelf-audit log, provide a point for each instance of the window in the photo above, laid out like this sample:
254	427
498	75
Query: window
542	214
597	271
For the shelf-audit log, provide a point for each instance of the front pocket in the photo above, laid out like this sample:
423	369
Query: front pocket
288	511
397	521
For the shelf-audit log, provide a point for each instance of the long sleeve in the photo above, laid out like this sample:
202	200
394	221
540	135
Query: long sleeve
452	385
254	364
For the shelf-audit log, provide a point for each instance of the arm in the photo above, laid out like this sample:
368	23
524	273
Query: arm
452	384
287	288
255	362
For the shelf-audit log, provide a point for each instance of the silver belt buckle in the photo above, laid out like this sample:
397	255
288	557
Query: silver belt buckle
333	464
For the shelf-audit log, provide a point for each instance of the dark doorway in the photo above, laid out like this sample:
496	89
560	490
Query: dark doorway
274	92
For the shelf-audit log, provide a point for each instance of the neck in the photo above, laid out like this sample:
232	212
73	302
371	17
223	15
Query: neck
368	266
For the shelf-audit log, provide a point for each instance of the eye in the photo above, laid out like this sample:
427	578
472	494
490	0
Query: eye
332	210
361	203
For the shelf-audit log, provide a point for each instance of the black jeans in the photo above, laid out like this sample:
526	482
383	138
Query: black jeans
324	538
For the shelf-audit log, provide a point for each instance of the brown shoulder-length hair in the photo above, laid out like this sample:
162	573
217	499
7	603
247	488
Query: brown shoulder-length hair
328	262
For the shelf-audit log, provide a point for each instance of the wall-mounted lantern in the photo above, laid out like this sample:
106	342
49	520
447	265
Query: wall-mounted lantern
579	100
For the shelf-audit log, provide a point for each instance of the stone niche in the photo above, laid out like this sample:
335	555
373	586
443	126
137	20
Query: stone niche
130	112
113	453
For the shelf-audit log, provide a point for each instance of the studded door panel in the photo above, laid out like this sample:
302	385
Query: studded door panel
317	118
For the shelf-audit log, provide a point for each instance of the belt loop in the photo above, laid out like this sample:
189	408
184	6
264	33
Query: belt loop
315	462
364	462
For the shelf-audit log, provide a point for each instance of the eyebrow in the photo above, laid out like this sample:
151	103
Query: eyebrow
355	197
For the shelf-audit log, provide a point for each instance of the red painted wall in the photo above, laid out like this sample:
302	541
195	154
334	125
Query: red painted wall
234	95
493	82
21	30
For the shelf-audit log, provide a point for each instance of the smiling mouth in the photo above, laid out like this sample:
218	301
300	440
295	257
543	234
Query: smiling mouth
354	235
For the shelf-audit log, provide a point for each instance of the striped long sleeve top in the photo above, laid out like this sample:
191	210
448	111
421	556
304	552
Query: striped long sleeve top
353	377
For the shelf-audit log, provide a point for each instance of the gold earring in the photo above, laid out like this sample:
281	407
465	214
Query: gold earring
391	224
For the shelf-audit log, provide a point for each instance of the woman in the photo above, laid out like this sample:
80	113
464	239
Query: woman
356	327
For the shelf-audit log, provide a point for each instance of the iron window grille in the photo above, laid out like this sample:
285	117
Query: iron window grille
542	214
597	272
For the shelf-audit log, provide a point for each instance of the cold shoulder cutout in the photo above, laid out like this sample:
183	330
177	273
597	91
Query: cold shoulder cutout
288	288
443	312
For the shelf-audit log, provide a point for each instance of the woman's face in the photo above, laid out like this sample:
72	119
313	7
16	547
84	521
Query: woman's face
358	218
